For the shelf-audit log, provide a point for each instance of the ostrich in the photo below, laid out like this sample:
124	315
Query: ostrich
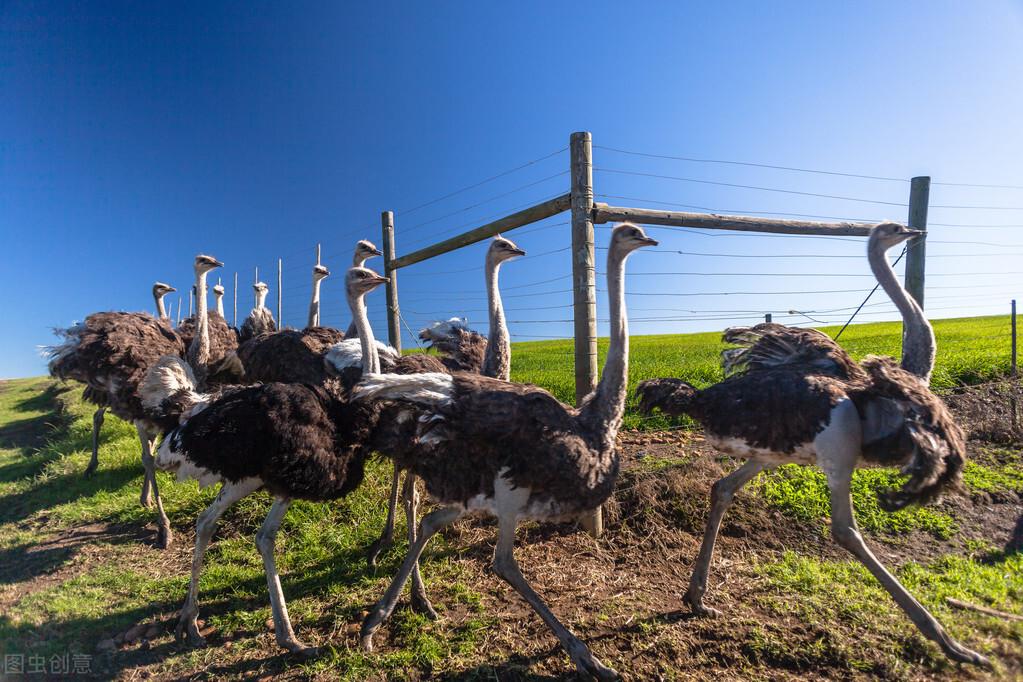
464	350
111	353
218	295
98	397
514	451
297	441
260	319
364	250
796	396
320	272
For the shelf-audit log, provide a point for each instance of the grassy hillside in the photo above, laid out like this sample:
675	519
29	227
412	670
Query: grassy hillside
78	568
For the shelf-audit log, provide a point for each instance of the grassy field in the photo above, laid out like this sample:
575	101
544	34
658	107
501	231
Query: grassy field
78	569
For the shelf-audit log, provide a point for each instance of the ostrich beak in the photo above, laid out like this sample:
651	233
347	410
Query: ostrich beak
381	280
649	241
217	263
377	252
913	233
171	289
519	252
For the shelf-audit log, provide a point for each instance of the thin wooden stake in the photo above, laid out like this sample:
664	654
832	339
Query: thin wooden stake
916	249
280	281
235	299
317	254
982	609
767	318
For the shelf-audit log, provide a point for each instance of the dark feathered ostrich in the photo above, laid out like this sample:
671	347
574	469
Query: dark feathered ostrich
260	320
796	396
461	350
295	440
99	398
111	353
364	250
515	452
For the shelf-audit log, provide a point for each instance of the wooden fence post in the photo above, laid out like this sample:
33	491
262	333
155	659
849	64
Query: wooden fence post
1013	363
280	282
916	250
393	326
584	283
235	323
767	318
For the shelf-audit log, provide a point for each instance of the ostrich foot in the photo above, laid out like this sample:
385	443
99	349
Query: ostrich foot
696	604
91	469
376	549
588	665
421	604
164	537
369	629
303	651
188	629
958	652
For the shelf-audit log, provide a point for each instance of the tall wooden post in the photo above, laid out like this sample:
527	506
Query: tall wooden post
235	324
916	250
255	280
1013	363
393	325
317	253
767	318
584	285
280	282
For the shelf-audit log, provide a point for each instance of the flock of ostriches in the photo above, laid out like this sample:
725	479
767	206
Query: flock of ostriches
298	413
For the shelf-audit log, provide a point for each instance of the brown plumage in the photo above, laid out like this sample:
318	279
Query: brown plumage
290	355
461	350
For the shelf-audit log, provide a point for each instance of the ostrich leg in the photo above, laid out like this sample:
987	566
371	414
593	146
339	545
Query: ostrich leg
97	424
146	498
431	524
163	532
506	567
721	496
846	534
386	538
420	602
204	529
265	540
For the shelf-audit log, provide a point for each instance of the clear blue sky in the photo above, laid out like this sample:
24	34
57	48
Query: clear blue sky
134	135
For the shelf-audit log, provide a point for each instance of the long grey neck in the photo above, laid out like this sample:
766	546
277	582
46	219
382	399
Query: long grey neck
370	358
220	304
918	344
199	351
497	363
353	329
607	404
261	299
314	304
161	309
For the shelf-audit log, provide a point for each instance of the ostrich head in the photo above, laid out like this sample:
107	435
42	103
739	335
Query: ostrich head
888	234
502	249
218	289
360	281
364	250
260	288
204	264
320	272
160	289
627	237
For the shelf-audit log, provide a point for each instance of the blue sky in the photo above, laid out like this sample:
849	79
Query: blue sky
134	135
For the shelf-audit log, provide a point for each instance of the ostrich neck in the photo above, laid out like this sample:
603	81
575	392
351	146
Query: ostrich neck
918	345
370	359
220	304
607	404
261	299
353	329
497	362
314	304
199	351
161	309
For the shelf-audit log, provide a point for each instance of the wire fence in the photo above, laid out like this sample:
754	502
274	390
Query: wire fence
674	287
